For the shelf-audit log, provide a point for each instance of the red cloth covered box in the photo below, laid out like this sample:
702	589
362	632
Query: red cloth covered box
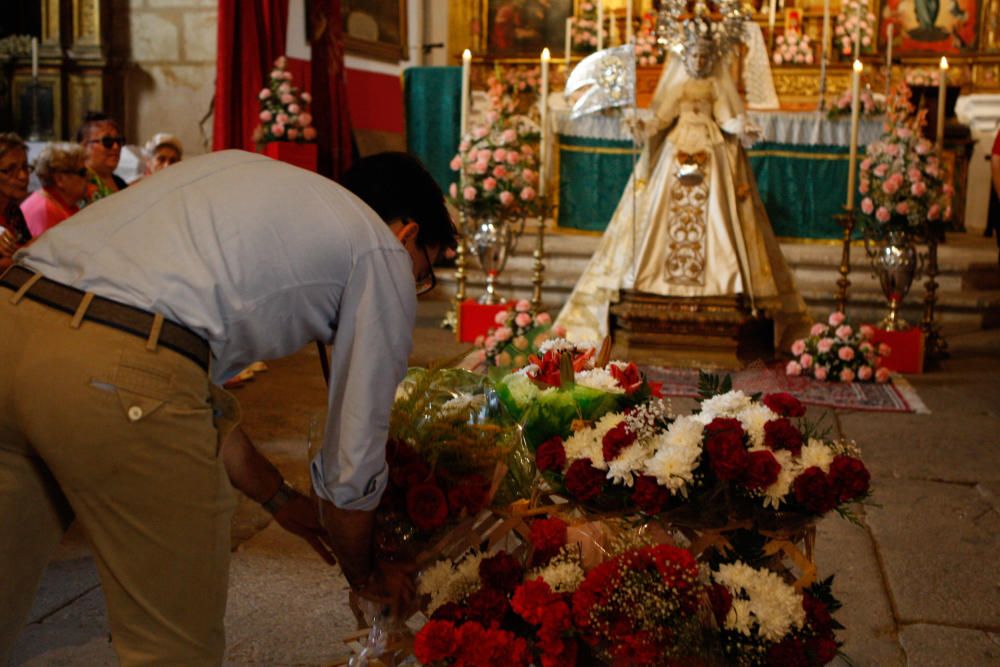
907	354
302	155
476	319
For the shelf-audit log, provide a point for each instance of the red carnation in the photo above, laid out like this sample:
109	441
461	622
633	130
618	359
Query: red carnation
531	599
487	606
649	496
437	640
551	455
850	478
822	650
722	601
583	480
449	611
780	434
762	470
501	571
784	405
628	378
426	506
469	494
548	536
790	652
636	649
617	439
817	613
405	475
813	490
724	445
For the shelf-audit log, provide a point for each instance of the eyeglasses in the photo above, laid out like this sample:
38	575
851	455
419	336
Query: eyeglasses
108	141
81	172
428	281
15	169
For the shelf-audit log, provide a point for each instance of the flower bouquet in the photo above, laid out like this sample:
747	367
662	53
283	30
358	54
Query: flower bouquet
585	28
647	49
836	351
792	48
765	621
284	114
451	453
854	19
869	105
513	90
516	336
902	178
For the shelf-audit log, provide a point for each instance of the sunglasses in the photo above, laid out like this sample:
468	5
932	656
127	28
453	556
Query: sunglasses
108	141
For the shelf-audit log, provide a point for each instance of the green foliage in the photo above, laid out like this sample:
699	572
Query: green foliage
710	385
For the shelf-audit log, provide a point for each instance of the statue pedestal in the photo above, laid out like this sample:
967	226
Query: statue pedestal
705	332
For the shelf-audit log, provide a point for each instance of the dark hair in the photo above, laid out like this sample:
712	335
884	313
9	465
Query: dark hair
92	118
397	185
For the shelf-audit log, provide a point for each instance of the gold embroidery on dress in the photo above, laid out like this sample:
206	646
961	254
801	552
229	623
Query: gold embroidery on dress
687	225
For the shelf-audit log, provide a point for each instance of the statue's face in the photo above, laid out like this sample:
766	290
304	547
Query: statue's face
699	56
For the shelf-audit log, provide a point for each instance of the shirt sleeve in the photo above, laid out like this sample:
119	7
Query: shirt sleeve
371	348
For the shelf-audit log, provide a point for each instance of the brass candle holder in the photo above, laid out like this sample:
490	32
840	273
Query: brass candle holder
935	345
846	221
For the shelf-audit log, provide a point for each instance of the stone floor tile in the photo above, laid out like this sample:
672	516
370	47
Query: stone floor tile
937	645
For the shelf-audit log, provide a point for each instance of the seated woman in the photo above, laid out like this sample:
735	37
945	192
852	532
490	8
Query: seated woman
690	223
14	174
102	139
161	151
60	168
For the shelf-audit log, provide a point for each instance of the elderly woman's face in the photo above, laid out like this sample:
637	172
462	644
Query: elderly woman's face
104	148
163	157
14	175
72	183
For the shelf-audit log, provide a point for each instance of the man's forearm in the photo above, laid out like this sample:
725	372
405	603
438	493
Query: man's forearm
249	471
350	536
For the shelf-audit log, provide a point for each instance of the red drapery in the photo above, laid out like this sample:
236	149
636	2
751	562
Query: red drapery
251	36
329	106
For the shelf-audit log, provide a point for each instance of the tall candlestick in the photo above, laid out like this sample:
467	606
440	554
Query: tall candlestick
628	21
942	94
466	80
824	54
543	152
34	58
770	23
569	40
852	163
888	58
600	25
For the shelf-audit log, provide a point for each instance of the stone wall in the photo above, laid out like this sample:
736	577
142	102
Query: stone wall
170	72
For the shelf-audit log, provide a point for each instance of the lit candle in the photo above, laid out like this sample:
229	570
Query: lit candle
628	21
466	79
852	163
34	58
543	151
888	58
942	94
569	39
824	54
600	25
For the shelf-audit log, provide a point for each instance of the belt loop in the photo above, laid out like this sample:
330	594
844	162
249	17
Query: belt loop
81	310
28	284
154	332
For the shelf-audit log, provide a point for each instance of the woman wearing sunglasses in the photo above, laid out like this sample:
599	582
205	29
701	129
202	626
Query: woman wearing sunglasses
63	174
14	174
102	140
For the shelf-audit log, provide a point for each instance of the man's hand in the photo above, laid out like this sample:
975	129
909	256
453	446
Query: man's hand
300	516
394	585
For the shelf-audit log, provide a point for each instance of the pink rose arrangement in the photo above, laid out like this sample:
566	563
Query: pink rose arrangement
792	48
585	27
853	15
837	351
517	335
647	50
902	182
508	87
869	105
284	114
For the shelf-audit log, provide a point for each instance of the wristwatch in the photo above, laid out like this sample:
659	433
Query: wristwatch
284	493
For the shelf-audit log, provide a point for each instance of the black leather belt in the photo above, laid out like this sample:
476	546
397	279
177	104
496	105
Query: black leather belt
129	319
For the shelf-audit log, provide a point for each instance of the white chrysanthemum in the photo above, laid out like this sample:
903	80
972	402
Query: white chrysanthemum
677	454
403	391
529	370
521	388
446	582
600	379
588	443
765	601
561	576
629	463
753	420
816	453
558	344
775	494
730	404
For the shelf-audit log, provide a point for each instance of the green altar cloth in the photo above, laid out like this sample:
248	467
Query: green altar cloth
432	96
592	176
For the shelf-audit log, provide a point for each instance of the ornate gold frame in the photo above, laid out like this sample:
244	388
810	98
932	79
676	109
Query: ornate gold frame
384	51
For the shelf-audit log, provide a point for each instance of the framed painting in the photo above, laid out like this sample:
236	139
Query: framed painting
522	28
375	29
933	26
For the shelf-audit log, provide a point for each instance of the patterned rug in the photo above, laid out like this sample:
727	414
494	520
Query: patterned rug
895	396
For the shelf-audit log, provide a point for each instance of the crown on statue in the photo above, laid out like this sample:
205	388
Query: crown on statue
682	24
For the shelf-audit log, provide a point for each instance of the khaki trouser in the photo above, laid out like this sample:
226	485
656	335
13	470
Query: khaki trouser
101	426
